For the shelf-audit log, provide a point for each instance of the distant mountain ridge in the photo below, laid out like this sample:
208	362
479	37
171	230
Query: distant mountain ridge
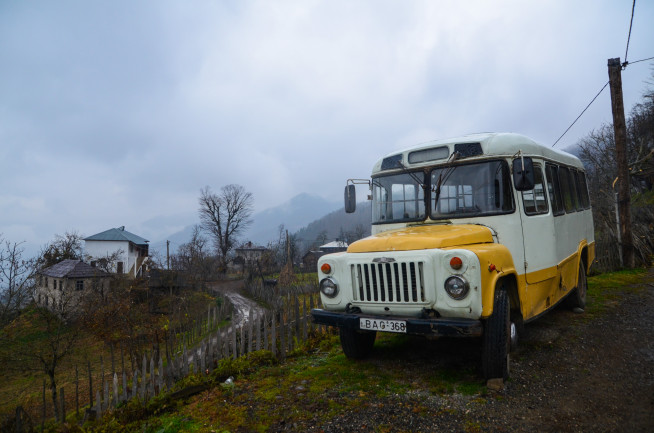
293	214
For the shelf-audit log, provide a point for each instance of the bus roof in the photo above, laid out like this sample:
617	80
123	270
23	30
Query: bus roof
490	145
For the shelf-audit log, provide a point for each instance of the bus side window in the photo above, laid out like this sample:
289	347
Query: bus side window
534	200
582	190
554	189
566	190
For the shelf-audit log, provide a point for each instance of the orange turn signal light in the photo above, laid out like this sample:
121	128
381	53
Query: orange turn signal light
325	268
456	263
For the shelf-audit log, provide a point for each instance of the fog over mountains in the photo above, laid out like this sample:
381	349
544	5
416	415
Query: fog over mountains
305	215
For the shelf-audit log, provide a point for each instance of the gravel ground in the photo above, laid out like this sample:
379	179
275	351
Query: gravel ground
571	373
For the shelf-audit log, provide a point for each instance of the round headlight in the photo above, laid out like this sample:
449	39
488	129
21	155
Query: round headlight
457	287
328	287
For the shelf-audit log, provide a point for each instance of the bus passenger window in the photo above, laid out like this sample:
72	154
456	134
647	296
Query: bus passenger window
582	190
566	189
554	189
534	200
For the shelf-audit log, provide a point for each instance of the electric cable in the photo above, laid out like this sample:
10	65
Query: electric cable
589	104
641	60
633	7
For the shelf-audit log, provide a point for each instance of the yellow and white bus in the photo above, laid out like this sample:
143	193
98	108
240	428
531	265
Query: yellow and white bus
471	237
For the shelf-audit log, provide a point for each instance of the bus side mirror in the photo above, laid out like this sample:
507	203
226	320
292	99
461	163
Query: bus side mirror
523	173
350	199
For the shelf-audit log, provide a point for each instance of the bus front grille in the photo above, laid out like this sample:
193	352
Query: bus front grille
397	282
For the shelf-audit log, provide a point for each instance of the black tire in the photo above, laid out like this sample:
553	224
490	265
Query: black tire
357	344
577	296
497	338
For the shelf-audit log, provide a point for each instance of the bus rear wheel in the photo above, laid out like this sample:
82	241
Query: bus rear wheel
496	343
356	344
577	297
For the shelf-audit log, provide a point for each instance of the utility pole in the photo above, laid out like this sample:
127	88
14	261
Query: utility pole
168	255
620	131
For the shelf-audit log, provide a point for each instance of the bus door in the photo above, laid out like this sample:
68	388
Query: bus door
539	242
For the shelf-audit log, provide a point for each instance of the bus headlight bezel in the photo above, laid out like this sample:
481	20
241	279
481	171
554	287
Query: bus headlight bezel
329	287
457	287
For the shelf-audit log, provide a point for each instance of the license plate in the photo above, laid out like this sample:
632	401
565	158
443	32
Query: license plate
383	325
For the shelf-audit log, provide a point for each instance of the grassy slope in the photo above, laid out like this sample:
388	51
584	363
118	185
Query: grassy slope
19	386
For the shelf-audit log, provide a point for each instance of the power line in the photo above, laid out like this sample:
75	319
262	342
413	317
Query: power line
589	104
641	60
633	7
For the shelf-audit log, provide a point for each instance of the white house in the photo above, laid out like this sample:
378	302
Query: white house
130	250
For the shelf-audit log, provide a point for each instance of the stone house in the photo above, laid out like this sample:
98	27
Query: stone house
62	286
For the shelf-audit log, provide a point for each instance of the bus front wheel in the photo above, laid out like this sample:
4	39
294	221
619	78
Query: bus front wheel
497	338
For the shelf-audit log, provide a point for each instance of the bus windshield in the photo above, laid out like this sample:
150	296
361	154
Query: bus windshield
457	191
471	190
398	198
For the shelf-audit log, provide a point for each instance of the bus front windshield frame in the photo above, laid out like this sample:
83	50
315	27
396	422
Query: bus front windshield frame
398	198
471	190
456	191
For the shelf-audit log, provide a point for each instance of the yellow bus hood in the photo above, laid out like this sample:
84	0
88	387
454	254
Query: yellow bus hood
423	238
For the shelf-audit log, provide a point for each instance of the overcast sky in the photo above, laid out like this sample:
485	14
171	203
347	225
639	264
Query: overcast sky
117	113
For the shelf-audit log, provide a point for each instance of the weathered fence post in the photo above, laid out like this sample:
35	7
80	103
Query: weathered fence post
152	378
135	383
273	334
76	391
44	408
234	354
296	302
161	374
200	362
124	397
115	383
257	327
144	375
250	330
98	401
242	342
19	420
304	319
105	403
282	337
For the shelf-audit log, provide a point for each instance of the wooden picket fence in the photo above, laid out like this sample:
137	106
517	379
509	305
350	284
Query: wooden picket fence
193	350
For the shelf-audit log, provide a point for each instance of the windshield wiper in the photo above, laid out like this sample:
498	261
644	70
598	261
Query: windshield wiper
413	175
442	179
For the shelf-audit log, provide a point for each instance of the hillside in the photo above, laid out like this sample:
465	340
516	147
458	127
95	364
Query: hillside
337	225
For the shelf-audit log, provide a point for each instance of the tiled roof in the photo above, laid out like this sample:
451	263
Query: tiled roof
118	234
73	269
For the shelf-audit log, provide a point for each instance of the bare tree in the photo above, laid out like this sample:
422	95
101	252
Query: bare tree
225	216
68	246
16	282
41	339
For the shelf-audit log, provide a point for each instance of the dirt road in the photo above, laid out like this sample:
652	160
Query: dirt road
231	290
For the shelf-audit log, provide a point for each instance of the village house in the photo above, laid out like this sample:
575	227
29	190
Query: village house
310	259
61	286
247	255
128	251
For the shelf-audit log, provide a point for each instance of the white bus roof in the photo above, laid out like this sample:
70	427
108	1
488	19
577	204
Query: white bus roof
492	145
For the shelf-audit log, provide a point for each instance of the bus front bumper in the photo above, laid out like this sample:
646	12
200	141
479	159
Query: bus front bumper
428	327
